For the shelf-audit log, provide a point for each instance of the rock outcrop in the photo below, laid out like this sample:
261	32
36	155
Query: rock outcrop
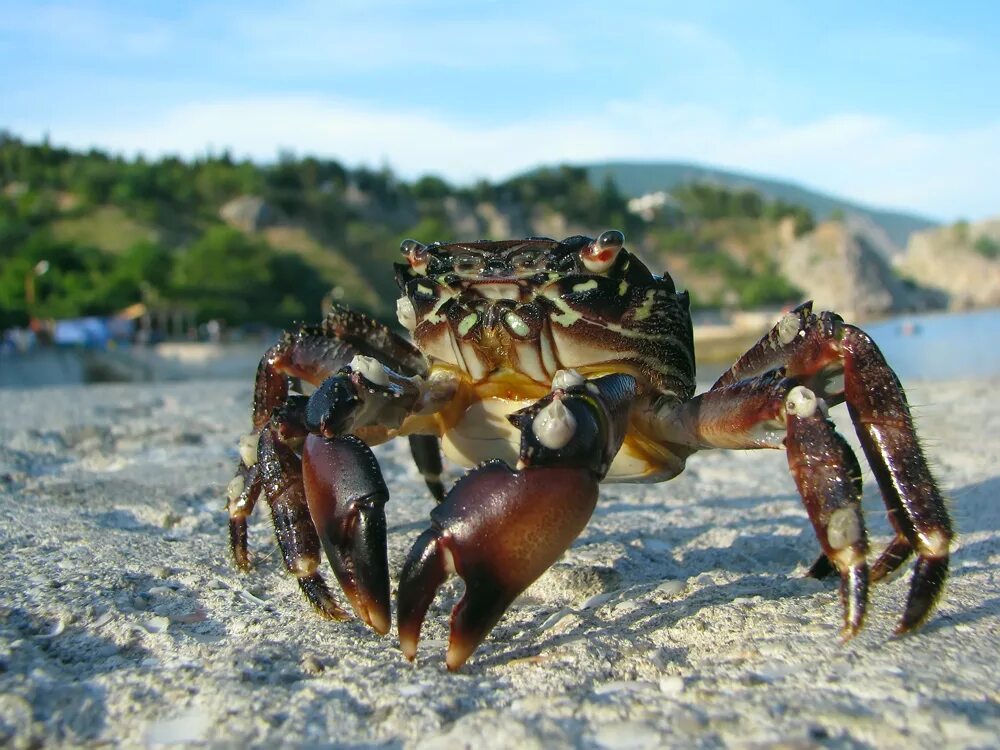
843	268
248	213
962	261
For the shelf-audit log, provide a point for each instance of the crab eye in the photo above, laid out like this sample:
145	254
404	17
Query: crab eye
600	255
415	253
468	264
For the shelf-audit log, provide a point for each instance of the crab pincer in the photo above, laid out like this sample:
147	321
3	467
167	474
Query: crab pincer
346	496
500	528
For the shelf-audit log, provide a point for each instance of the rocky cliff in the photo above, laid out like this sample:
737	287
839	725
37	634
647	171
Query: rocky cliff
843	267
961	261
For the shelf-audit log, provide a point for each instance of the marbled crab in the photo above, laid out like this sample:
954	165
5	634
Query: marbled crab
546	367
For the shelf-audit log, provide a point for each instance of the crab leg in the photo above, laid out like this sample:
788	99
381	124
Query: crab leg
500	528
426	450
324	485
828	478
840	362
281	477
877	405
771	411
311	353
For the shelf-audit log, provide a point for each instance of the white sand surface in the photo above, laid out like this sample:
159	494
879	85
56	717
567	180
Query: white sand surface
679	618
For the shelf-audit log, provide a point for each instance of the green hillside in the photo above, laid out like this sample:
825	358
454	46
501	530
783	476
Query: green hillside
91	233
639	178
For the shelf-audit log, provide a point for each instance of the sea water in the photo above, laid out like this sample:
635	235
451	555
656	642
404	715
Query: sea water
940	346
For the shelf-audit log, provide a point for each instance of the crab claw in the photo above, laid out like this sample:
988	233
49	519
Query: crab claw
498	529
346	496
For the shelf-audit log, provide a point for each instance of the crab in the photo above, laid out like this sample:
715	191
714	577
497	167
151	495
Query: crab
546	367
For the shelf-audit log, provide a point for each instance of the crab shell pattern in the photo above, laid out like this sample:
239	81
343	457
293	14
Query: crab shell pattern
546	367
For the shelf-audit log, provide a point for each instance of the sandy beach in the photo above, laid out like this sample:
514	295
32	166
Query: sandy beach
679	618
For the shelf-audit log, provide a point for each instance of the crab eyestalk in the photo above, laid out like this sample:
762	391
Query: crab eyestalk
601	254
416	255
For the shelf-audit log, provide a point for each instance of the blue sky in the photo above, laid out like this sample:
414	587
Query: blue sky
893	104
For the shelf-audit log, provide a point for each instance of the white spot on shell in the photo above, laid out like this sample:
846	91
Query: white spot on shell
801	402
844	528
554	425
248	448
466	324
585	286
564	379
788	328
235	487
644	310
516	323
406	314
370	368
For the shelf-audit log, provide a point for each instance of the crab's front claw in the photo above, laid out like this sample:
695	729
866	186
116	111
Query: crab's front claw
346	496
499	530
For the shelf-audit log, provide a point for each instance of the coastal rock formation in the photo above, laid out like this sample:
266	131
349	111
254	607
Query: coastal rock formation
961	260
842	267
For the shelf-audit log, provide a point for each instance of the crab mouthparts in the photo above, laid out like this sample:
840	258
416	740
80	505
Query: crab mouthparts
496	290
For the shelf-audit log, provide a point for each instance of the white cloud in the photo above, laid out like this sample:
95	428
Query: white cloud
860	157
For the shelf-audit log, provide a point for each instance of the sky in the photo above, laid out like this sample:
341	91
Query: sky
893	104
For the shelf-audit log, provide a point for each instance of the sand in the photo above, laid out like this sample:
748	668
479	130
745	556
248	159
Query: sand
679	618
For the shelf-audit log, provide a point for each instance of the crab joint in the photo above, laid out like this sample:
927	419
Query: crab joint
235	487
554	425
370	369
803	403
248	448
844	528
564	379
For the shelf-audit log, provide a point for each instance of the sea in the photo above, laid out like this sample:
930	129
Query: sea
940	346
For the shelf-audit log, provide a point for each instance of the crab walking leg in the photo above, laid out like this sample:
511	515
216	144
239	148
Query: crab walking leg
311	353
771	411
500	528
241	498
828	478
426	450
244	489
315	352
881	416
346	495
841	362
281	478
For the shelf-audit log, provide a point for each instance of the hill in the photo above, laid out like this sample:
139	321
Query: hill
639	178
91	233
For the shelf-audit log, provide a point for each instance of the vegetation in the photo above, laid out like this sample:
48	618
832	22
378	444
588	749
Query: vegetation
92	233
988	247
